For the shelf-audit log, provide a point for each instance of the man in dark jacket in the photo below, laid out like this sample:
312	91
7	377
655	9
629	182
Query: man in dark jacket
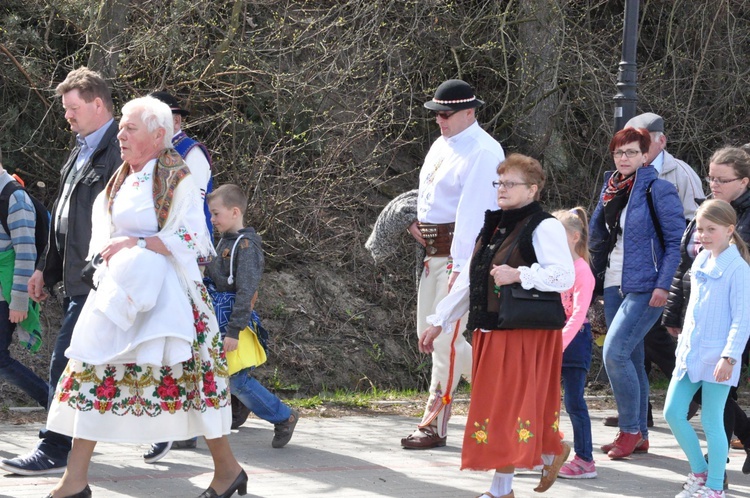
87	101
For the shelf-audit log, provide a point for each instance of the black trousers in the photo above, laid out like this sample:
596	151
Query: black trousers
660	349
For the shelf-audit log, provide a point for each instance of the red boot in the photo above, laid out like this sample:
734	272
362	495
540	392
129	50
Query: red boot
624	445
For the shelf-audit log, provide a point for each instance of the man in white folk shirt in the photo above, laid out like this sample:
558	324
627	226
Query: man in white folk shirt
198	161
455	189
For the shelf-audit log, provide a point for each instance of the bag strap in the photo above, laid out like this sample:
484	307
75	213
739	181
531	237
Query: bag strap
652	210
230	280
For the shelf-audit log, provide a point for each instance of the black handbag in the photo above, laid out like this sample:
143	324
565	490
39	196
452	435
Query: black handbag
528	309
87	274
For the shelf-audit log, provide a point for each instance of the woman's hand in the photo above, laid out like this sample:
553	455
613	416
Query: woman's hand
425	342
723	371
658	298
505	274
116	245
230	344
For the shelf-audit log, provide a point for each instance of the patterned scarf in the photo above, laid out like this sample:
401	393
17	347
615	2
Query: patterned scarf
170	169
615	198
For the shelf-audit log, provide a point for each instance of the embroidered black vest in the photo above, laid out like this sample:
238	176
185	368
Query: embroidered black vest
500	230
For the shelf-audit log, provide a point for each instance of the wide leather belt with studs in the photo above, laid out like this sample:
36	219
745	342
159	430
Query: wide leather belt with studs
438	237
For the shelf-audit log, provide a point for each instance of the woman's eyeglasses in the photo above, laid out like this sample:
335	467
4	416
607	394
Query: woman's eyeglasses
720	181
627	153
508	185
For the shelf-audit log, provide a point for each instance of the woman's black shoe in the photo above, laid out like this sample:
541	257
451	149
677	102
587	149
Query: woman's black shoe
239	485
85	493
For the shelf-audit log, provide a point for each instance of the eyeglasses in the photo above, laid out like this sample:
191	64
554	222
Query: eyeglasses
508	185
444	114
627	153
720	181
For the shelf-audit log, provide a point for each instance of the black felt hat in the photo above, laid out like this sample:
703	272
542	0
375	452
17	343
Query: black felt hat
453	95
168	99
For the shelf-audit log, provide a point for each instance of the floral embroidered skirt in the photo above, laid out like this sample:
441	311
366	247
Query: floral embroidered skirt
129	403
515	399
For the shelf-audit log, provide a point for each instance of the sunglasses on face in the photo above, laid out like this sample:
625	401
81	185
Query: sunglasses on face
445	114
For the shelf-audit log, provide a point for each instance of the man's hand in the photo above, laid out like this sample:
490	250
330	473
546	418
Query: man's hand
36	287
658	298
17	316
428	338
416	233
674	331
230	344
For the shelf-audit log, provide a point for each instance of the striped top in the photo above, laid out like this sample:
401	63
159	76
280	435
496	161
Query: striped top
22	223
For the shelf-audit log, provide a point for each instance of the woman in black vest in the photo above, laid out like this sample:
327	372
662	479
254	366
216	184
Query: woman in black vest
515	400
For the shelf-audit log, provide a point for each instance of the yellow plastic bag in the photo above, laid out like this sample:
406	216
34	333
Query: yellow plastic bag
248	354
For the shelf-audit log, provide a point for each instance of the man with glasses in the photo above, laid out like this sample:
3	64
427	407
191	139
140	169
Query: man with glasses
455	189
659	345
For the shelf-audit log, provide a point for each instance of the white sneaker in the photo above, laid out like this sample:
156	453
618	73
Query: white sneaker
705	492
692	486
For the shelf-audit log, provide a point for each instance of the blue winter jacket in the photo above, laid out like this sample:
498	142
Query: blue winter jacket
646	264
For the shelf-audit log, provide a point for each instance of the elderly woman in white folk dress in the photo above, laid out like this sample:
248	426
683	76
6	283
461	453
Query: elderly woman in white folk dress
146	363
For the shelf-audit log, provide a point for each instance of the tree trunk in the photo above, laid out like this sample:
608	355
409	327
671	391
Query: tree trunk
106	26
541	40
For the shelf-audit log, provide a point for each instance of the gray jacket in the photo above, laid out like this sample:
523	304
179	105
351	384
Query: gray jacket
686	180
247	271
66	265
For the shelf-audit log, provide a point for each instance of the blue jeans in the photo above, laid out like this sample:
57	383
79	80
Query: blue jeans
257	398
11	370
53	444
714	397
629	318
578	354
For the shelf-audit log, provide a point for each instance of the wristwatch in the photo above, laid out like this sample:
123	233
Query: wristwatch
141	243
731	361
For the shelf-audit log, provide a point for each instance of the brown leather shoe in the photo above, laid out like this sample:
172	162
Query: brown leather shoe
625	444
549	472
423	438
641	447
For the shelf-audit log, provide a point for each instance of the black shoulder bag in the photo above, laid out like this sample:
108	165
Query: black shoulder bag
528	309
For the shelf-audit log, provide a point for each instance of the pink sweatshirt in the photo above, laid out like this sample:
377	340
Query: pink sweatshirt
576	300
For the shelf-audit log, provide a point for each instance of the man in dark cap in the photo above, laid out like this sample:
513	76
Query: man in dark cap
194	153
455	189
669	168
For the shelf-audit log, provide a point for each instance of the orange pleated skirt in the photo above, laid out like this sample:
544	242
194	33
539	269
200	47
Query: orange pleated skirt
514	411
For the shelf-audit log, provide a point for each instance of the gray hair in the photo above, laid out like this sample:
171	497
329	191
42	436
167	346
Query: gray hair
154	114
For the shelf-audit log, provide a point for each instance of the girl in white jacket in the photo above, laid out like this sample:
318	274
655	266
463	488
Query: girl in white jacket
716	328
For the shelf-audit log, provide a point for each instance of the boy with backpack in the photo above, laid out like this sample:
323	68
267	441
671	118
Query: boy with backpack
18	255
237	269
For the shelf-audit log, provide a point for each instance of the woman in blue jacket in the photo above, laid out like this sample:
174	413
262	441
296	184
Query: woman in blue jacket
635	248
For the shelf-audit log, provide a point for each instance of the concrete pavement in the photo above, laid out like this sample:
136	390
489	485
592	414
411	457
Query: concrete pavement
359	457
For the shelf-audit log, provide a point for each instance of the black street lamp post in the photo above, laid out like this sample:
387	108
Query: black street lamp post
626	97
